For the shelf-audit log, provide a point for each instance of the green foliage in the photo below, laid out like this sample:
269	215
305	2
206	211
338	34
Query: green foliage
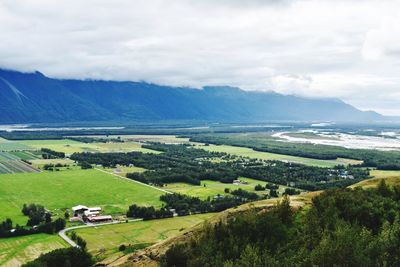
383	160
343	227
64	257
183	163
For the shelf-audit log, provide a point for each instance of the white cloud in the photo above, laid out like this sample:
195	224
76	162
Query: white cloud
345	49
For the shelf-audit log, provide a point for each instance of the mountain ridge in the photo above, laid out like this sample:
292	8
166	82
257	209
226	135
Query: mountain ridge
36	98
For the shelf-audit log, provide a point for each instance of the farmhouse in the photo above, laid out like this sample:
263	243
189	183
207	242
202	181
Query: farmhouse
92	211
79	210
89	214
97	219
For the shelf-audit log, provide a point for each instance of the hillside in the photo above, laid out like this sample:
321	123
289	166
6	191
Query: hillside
35	98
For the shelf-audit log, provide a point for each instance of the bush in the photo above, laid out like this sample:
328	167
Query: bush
63	257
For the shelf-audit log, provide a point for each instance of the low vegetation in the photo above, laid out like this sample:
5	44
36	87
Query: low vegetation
183	163
343	227
384	160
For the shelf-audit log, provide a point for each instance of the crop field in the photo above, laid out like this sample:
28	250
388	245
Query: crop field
18	250
6	145
213	188
106	239
390	177
170	139
11	163
39	163
251	153
122	147
25	155
70	146
62	190
123	170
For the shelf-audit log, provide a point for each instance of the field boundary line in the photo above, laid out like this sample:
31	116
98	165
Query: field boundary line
134	181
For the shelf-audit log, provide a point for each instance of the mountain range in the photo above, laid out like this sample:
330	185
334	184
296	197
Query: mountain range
35	98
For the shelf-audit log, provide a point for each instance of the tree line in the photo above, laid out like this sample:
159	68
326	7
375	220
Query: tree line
382	160
342	227
184	163
39	221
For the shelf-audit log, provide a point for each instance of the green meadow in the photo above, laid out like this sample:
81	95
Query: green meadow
251	153
70	146
213	188
17	250
105	240
62	190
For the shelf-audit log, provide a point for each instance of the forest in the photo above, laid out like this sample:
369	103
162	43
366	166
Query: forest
382	160
343	227
183	163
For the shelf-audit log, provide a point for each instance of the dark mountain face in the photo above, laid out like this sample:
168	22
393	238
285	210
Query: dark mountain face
33	97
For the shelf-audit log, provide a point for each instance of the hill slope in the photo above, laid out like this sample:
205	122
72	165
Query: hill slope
33	97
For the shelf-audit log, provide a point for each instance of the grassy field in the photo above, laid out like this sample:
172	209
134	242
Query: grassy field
18	250
105	240
39	163
70	146
6	145
213	188
25	155
123	170
390	177
171	139
248	152
62	190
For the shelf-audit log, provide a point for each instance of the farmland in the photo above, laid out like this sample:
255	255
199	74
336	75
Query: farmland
64	187
10	162
89	187
17	250
243	151
70	146
213	188
6	145
106	239
390	177
251	153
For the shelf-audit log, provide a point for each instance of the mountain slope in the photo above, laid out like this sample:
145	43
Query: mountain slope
33	97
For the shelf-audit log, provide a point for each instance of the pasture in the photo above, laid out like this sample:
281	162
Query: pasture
17	250
251	153
105	240
61	190
390	177
213	188
6	145
70	146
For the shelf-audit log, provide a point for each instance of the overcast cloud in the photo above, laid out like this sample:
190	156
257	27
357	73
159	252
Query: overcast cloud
346	49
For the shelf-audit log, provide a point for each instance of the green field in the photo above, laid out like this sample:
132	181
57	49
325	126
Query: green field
10	162
6	145
251	153
39	163
64	189
70	146
390	177
25	155
105	240
213	188
18	250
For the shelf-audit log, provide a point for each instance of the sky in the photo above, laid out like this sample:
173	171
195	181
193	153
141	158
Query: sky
344	49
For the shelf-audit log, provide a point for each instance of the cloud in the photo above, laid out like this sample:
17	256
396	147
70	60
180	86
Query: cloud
383	42
345	49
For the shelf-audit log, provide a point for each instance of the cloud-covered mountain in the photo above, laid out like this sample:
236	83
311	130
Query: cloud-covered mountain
33	97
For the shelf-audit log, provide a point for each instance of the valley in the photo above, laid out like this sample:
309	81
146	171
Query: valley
213	172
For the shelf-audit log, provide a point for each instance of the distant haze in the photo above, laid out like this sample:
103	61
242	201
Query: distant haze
347	49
